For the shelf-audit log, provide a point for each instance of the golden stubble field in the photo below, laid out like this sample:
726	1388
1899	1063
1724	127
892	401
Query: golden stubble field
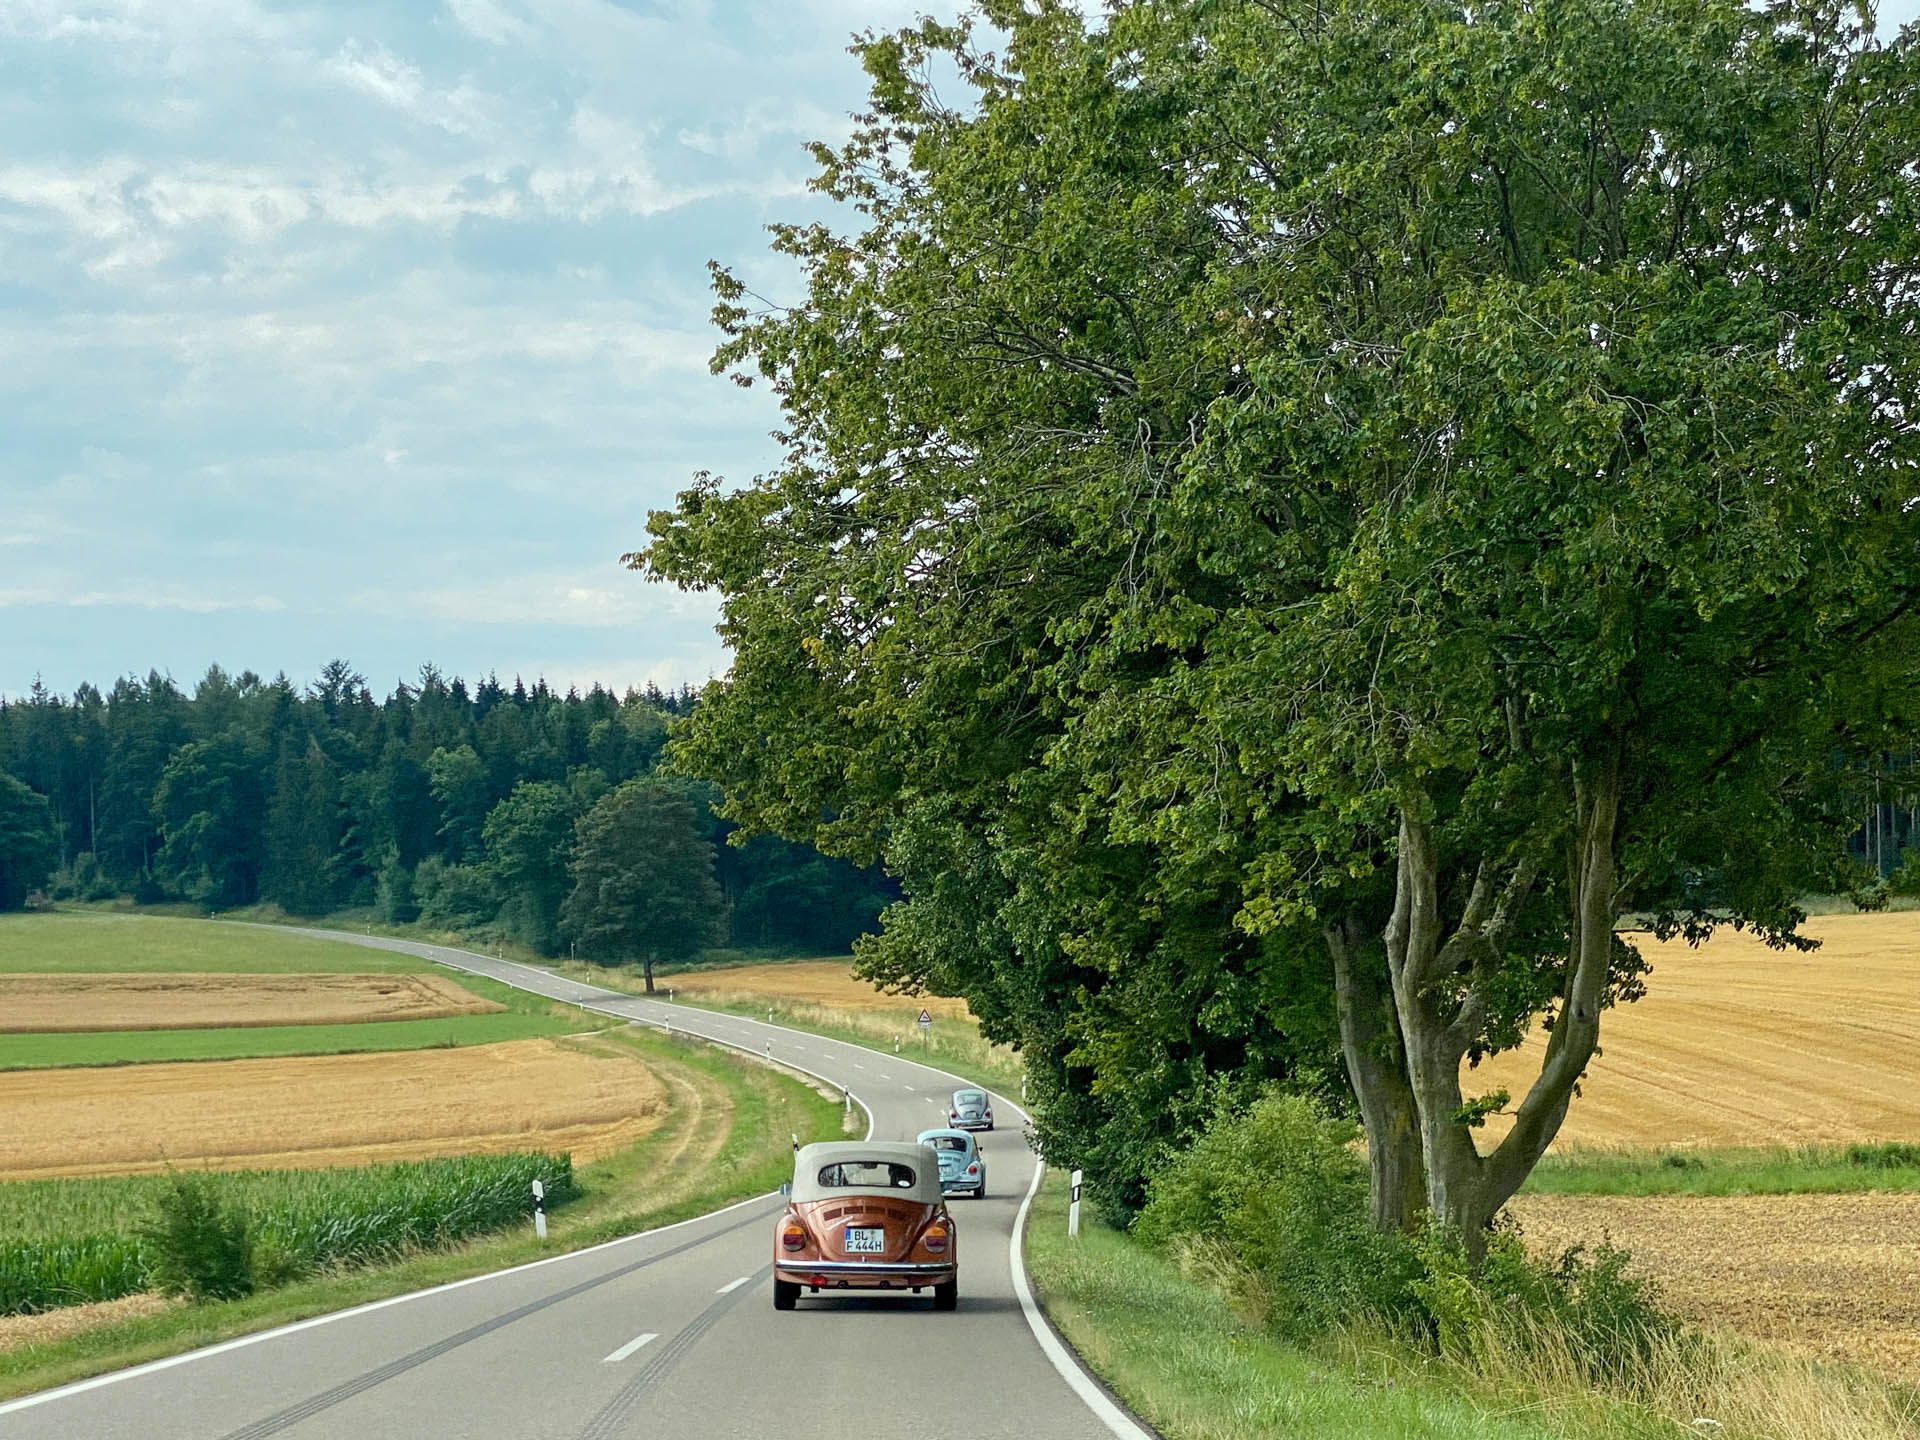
550	1094
71	1003
806	982
1736	1044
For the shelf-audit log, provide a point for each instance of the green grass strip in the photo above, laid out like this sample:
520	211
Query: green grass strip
104	941
1762	1170
133	1047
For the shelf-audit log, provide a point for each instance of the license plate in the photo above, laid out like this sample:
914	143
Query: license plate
864	1241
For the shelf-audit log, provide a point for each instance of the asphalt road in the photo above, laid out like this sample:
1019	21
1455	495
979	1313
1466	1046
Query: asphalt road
670	1333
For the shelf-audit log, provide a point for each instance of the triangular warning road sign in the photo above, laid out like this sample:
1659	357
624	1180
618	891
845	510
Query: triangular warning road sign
926	1017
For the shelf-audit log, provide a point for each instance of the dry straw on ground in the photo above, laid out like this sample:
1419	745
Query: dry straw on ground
1829	1276
1736	1044
325	1110
42	1004
806	982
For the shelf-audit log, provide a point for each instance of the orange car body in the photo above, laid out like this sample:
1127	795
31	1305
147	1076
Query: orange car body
865	1216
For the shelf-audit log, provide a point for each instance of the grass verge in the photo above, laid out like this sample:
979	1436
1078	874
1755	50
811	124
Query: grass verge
1171	1344
725	1139
1782	1170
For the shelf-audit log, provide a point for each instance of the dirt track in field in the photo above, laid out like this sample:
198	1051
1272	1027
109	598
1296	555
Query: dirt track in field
67	1004
1836	1276
806	982
326	1110
1736	1044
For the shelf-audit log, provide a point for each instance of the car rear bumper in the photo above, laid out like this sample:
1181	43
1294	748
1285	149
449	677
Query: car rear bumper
866	1274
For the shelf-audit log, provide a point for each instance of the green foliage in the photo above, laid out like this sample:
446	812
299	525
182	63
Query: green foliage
453	897
1466	494
250	791
217	1235
529	840
1281	1189
643	878
27	845
1607	1324
196	1244
38	1274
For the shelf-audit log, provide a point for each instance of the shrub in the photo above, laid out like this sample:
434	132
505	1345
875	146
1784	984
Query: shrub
197	1245
1582	1310
1280	1192
1895	1155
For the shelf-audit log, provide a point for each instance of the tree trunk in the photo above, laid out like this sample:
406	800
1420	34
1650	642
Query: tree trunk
1371	1046
1440	1002
646	971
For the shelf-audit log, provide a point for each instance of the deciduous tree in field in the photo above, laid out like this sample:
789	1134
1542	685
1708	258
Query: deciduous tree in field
643	879
528	838
1296	500
27	844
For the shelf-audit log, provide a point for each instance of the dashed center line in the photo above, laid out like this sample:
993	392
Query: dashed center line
627	1349
733	1285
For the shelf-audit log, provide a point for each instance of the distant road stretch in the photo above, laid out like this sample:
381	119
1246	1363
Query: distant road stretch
668	1334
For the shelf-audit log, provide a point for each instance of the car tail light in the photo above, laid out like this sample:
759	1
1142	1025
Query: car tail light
793	1236
989	1112
935	1239
953	1115
973	1169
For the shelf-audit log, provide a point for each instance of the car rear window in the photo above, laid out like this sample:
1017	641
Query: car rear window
948	1142
970	1097
867	1175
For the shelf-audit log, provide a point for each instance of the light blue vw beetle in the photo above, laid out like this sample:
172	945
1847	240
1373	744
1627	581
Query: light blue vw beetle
962	1166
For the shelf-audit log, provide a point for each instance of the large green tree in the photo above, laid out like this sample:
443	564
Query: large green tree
529	837
209	807
643	879
1302	508
28	846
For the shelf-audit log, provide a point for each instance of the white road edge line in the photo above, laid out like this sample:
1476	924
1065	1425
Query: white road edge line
1064	1360
627	1349
732	1285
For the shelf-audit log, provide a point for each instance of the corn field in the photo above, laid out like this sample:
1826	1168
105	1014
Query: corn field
68	1242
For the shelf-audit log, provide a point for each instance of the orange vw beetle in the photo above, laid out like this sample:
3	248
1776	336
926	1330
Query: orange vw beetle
866	1215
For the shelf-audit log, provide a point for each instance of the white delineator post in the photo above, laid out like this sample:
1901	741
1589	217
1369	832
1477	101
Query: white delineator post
539	1210
1073	1208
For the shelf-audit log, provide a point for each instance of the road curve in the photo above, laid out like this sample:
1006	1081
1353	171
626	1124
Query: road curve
667	1333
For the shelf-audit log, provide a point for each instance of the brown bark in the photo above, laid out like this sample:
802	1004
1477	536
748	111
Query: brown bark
1370	1044
1439	1004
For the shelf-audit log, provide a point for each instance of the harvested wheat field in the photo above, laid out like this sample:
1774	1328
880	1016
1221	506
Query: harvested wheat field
1736	1044
805	982
1835	1276
325	1110
62	1004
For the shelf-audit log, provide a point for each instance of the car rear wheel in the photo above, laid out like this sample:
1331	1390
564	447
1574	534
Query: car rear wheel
786	1294
980	1190
947	1296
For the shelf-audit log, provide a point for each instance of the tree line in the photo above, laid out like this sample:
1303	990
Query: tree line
1299	519
539	816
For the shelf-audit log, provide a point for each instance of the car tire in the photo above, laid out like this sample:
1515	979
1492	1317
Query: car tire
947	1296
786	1294
980	1190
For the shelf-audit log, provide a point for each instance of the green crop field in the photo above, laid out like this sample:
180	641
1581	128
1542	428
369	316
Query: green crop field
72	1241
104	941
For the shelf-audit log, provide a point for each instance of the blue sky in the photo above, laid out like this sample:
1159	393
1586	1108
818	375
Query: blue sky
374	330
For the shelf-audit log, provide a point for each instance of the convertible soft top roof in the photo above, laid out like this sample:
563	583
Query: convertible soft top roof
919	1158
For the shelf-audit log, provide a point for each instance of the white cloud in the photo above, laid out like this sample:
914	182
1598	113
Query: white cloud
563	600
488	20
172	598
378	72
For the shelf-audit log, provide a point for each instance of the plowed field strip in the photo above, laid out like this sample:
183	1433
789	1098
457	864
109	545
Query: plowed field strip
1837	1276
73	1004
